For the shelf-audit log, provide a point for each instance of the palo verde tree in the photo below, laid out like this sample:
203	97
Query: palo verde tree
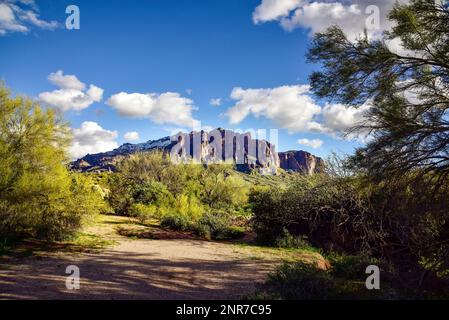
407	89
38	195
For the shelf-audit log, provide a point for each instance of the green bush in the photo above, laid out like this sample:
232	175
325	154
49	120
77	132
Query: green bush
403	222
345	280
152	192
353	267
300	281
178	222
143	212
39	197
287	240
217	226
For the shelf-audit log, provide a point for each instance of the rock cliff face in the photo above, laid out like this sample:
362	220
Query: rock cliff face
301	161
216	146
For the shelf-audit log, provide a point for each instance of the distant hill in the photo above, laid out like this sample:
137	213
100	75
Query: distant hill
218	145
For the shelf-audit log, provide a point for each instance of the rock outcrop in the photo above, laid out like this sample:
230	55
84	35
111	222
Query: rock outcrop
216	146
301	161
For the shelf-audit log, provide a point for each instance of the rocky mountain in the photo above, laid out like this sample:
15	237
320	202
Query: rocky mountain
218	145
301	161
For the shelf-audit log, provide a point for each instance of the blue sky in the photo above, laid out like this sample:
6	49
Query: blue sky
172	51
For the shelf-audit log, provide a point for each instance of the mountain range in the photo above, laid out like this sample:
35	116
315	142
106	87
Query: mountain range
218	145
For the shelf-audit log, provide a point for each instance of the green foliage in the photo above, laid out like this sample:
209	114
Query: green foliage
287	240
407	89
345	280
152	192
217	226
143	212
38	195
354	267
178	222
402	223
181	195
220	189
302	281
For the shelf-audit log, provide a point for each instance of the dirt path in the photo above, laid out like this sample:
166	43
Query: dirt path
139	269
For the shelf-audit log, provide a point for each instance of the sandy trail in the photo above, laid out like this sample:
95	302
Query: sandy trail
139	269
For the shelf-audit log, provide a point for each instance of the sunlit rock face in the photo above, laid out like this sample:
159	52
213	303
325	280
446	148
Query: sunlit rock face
301	161
216	146
225	146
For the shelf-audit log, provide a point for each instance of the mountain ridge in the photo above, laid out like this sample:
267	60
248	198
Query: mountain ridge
214	146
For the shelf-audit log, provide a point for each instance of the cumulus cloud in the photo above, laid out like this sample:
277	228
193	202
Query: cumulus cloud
353	16
65	81
270	10
215	102
71	95
312	143
91	138
339	117
290	107
294	109
19	16
131	136
165	108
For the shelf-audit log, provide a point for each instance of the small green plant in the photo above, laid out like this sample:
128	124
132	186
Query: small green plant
351	267
143	212
178	222
302	281
217	226
289	241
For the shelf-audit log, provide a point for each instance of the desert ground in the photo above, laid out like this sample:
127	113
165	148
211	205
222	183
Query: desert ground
119	258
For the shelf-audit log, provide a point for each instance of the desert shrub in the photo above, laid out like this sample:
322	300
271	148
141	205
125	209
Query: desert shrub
287	240
189	206
183	195
151	178
403	222
143	212
217	226
152	192
120	196
38	195
268	221
219	189
178	222
295	281
345	280
353	266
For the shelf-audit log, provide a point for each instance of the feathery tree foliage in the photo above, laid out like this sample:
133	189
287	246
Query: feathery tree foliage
38	195
407	88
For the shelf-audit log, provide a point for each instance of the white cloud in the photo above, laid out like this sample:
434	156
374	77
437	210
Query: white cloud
293	108
95	93
313	143
65	81
351	15
169	107
175	130
71	95
131	136
270	10
339	117
91	138
17	16
290	107
189	91
215	102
